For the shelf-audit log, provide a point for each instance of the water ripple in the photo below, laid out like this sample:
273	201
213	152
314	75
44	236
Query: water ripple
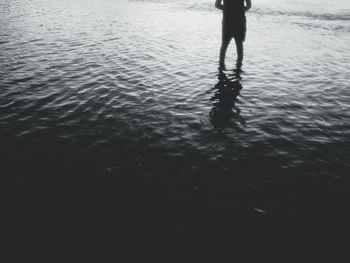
127	84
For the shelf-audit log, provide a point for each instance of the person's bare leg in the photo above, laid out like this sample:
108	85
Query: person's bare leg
239	48
224	45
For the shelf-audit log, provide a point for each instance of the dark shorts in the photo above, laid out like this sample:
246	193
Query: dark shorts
235	27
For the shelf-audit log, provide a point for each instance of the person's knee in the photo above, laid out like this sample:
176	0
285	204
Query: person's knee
226	39
239	42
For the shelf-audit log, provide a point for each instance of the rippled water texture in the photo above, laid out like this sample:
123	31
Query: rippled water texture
134	85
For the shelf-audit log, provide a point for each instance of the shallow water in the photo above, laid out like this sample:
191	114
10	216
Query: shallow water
133	86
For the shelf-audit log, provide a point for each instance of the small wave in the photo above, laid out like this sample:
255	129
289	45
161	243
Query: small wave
342	16
336	28
339	16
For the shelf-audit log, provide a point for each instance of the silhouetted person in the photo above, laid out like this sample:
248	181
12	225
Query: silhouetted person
233	26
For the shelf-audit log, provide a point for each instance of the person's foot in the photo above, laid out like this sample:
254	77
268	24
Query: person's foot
222	66
239	64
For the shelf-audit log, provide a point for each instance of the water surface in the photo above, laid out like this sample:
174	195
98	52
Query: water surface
131	87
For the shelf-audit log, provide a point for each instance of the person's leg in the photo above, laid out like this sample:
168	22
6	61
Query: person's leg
226	39
239	48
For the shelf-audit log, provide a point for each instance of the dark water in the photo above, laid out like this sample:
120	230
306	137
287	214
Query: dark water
116	102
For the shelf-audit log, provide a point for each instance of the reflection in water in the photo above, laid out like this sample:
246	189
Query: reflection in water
225	112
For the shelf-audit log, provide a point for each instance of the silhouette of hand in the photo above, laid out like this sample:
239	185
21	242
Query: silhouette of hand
248	5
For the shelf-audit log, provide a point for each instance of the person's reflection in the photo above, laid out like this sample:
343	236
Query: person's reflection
224	112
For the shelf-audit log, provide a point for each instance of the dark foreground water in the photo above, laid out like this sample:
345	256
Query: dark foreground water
114	111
